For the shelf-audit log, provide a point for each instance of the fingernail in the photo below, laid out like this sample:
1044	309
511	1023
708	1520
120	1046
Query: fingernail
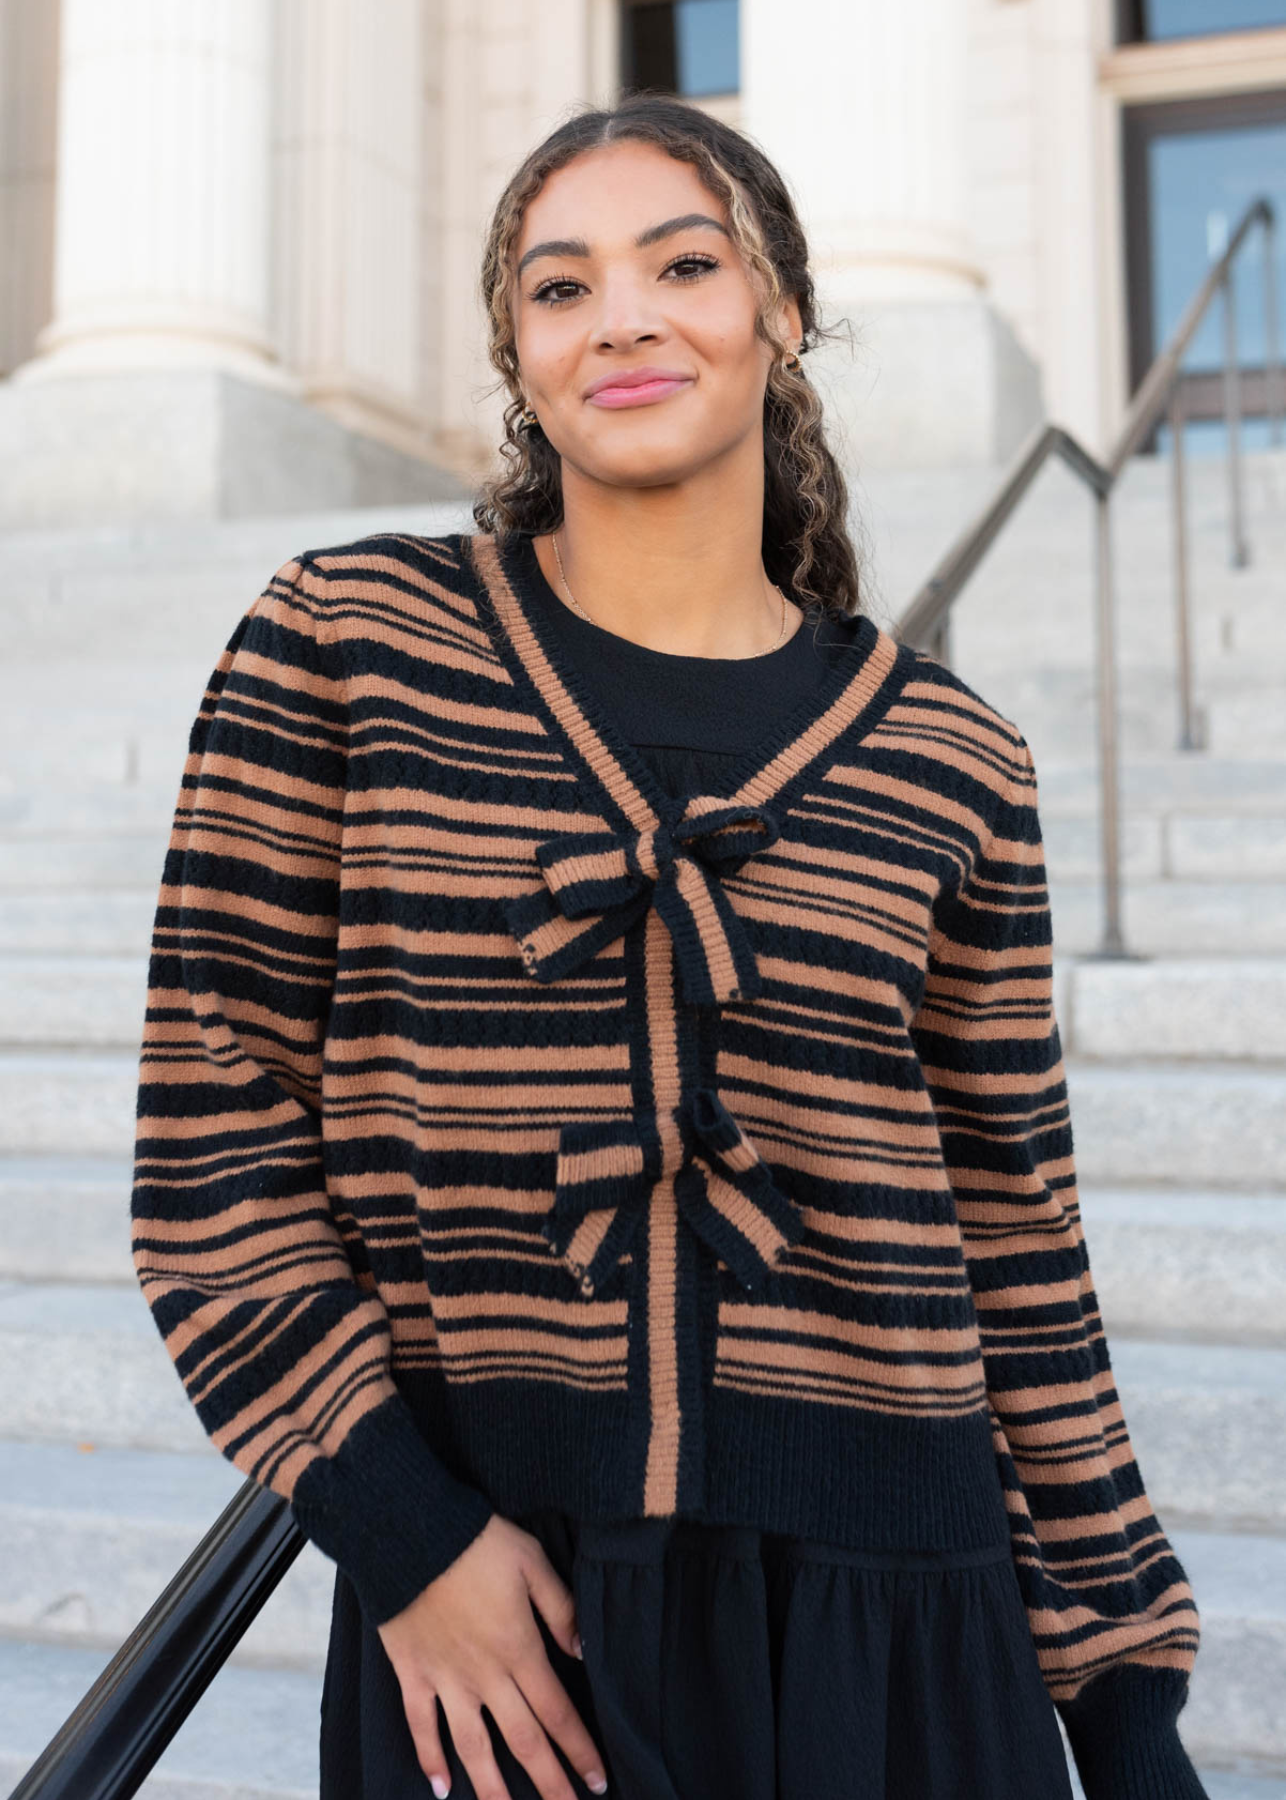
596	1780
440	1787
576	1649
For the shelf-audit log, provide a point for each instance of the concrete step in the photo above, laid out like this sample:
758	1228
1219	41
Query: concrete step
1185	781
80	921
1161	917
1232	1784
253	1734
1234	1706
1188	1265
65	1218
1249	722
1181	846
79	808
1219	1125
93	1534
50	1100
110	863
94	1370
1197	1008
85	566
1208	1425
77	1001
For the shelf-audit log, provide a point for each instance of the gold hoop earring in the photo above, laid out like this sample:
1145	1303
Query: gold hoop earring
793	362
529	418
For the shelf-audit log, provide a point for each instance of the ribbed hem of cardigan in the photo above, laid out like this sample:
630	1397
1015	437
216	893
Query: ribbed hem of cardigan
387	1510
1123	1730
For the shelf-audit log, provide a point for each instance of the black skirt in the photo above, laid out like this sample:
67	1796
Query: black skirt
726	1663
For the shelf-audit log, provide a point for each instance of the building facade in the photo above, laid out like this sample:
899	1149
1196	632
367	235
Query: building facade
241	237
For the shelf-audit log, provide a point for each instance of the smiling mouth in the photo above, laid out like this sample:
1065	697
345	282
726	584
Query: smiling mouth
640	394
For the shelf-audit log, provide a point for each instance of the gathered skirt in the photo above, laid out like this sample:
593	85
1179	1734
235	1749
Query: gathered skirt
726	1663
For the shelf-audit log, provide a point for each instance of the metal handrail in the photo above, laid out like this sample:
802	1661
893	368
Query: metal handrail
109	1743
925	622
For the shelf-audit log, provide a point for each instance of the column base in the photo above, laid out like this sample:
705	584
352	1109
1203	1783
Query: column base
927	383
200	444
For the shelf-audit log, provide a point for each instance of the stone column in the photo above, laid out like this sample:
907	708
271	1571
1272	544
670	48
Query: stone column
157	390
355	124
161	249
861	105
28	132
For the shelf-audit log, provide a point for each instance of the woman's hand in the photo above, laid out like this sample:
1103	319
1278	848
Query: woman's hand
470	1639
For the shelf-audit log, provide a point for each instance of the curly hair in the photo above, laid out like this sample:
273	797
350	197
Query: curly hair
807	550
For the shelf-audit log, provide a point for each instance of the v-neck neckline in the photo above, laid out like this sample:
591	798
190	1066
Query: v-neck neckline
858	687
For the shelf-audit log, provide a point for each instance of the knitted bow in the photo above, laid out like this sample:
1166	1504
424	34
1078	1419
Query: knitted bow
608	1168
598	882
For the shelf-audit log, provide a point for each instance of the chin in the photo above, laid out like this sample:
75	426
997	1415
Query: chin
645	465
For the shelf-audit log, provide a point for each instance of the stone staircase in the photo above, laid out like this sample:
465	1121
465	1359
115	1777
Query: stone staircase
1176	1064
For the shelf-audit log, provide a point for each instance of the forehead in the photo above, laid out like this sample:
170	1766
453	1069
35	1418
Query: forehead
608	194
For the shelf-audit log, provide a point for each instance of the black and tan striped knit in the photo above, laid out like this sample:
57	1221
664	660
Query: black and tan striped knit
511	1134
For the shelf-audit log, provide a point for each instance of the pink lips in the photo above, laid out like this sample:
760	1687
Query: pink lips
638	393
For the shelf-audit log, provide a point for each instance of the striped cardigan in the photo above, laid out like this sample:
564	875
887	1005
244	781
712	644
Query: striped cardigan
510	1134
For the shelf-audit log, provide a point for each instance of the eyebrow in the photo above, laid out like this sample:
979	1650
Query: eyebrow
651	234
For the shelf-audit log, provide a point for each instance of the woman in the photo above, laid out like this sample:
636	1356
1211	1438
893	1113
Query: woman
603	1149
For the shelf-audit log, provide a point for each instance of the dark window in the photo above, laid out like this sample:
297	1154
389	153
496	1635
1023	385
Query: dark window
1192	167
686	47
1157	21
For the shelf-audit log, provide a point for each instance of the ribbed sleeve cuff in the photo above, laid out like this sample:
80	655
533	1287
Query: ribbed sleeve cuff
387	1510
1123	1730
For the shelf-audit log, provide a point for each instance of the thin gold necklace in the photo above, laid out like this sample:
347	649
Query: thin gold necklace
584	615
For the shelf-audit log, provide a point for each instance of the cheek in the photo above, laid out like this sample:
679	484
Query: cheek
547	359
734	354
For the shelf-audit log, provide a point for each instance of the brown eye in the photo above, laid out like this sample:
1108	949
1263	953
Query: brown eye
701	263
545	291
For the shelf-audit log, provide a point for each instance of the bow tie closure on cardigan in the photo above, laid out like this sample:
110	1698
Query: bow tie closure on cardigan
724	1189
598	882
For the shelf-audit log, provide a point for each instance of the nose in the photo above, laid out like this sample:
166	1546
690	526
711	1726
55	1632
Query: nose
627	313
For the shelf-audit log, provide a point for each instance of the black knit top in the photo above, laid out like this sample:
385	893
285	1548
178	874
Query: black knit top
693	717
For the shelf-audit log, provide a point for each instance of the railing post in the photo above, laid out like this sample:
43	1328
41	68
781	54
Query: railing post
1191	734
1112	943
1232	419
1272	355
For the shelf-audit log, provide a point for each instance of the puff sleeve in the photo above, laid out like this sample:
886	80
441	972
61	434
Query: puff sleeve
1112	1615
283	1351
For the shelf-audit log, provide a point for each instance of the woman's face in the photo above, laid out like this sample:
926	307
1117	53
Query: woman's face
593	304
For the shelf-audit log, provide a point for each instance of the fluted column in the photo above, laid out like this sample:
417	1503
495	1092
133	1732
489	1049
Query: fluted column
164	185
861	104
864	111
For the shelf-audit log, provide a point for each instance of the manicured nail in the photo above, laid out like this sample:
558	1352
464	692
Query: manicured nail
440	1787
576	1649
596	1780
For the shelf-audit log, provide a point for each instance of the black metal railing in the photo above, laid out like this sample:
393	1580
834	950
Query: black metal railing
107	1746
